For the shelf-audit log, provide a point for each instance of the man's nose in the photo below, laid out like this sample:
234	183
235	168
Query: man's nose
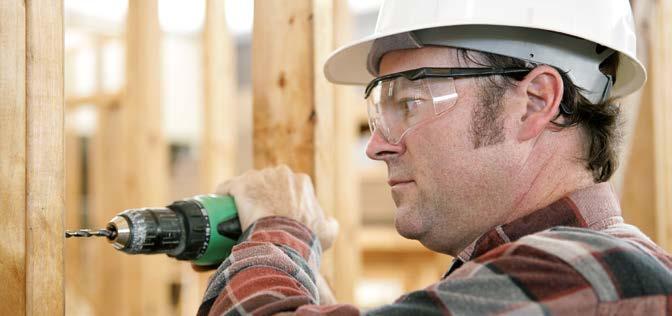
379	148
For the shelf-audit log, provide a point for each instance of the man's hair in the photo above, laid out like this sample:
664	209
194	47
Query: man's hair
600	121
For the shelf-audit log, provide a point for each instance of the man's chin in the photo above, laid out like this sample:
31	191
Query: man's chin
409	224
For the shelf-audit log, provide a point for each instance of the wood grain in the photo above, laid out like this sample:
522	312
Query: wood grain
145	159
660	81
45	161
13	157
282	79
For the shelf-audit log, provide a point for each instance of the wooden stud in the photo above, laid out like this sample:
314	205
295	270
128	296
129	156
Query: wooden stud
638	195
335	138
296	121
99	99
284	115
13	157
44	158
660	81
32	160
145	165
325	135
219	146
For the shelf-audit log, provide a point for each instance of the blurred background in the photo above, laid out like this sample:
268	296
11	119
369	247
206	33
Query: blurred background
192	60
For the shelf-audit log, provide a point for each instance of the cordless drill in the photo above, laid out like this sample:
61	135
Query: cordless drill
202	229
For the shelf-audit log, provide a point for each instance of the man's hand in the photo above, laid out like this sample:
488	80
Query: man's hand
279	192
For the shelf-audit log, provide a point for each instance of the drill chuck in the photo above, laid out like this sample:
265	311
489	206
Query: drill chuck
202	229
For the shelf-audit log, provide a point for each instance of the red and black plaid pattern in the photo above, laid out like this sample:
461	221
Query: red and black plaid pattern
573	257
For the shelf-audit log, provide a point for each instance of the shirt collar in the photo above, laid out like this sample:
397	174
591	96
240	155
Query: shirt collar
594	207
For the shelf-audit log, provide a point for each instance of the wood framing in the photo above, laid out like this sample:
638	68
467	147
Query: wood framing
219	141
282	80
145	157
647	186
129	168
298	119
661	99
335	138
32	160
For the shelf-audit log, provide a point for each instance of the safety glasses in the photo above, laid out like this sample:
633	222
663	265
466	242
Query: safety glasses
400	102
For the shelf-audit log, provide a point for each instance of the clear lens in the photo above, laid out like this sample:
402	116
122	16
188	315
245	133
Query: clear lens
398	105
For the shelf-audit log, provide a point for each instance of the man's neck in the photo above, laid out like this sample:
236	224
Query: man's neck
555	173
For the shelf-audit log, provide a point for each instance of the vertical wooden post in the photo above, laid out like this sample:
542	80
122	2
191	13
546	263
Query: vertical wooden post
638	193
335	137
219	145
282	81
105	272
219	141
13	157
32	160
145	164
347	252
325	135
661	79
295	117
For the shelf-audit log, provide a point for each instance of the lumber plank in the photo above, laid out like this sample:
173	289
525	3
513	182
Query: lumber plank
144	169
661	79
13	157
282	80
45	161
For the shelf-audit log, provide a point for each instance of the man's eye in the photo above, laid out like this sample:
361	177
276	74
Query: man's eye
409	105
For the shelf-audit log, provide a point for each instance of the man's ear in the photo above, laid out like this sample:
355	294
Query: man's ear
543	89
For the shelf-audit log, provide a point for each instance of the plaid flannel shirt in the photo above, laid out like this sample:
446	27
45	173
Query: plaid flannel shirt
573	257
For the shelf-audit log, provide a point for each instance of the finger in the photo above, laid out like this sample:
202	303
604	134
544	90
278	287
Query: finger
328	232
283	170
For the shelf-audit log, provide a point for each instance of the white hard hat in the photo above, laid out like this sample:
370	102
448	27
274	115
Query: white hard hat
575	36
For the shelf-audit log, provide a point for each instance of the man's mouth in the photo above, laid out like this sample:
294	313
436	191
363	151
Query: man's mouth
398	182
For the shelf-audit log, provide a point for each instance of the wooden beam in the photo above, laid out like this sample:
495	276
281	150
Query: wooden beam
98	99
32	163
295	116
335	138
105	269
325	135
661	80
45	158
219	145
145	161
284	114
638	194
13	157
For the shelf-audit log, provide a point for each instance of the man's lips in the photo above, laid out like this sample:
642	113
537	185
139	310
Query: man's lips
394	182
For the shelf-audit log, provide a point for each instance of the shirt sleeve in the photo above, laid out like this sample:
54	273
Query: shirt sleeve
273	270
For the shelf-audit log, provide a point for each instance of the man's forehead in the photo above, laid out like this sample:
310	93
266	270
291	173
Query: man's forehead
406	59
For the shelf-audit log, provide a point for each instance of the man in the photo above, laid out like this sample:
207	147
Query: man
499	131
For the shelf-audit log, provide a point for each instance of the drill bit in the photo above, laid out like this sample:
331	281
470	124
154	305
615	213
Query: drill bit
88	233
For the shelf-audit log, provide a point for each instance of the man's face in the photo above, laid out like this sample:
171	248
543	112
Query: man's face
450	178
